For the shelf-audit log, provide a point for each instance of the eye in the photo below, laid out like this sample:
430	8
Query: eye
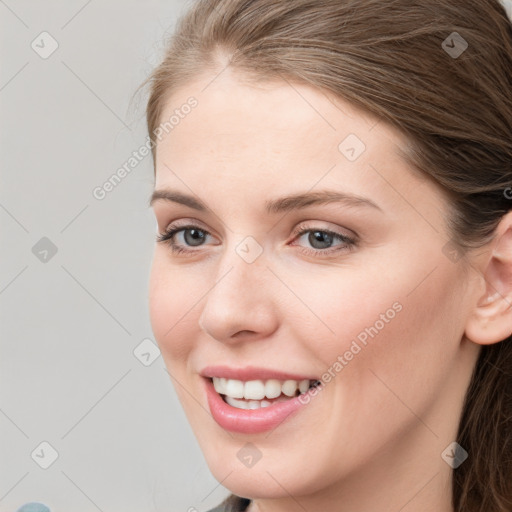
192	236
322	241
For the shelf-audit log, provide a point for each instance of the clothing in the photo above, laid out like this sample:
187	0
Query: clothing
232	504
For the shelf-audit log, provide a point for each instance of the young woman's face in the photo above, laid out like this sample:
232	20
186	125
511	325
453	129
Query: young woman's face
359	292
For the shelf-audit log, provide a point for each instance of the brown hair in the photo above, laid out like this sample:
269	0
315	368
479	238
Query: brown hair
388	58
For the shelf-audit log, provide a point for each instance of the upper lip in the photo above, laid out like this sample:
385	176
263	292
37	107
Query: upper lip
251	373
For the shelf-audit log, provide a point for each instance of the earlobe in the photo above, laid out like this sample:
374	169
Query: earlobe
491	319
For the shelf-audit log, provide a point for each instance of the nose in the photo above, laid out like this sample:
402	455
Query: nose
241	302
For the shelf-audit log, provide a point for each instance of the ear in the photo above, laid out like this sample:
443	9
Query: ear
491	319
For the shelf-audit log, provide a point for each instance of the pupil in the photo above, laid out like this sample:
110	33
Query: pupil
325	239
195	239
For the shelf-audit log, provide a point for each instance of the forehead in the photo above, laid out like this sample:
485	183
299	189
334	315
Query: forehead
250	136
235	118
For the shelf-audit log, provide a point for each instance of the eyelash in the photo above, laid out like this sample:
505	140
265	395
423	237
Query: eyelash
349	243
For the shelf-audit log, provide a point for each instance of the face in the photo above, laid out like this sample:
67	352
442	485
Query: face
356	291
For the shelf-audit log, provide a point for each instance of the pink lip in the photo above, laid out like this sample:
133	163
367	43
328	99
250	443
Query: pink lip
250	421
251	373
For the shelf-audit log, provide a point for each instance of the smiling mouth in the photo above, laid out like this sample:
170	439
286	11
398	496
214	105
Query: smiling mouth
256	394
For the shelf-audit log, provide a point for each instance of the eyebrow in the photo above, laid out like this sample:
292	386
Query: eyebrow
273	206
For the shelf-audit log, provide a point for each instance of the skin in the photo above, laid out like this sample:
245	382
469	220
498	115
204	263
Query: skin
372	438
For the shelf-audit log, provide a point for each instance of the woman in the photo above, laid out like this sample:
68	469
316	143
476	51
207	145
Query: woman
332	282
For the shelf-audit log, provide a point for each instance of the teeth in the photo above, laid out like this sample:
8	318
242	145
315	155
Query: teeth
219	384
258	389
289	387
253	389
272	388
234	388
251	404
304	386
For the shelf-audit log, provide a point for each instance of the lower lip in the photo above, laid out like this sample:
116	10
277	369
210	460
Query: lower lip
249	421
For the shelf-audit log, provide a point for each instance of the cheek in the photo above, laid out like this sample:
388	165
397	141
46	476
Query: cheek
355	306
172	301
388	320
398	344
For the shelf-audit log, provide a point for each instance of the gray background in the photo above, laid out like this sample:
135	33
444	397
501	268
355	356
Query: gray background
70	321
